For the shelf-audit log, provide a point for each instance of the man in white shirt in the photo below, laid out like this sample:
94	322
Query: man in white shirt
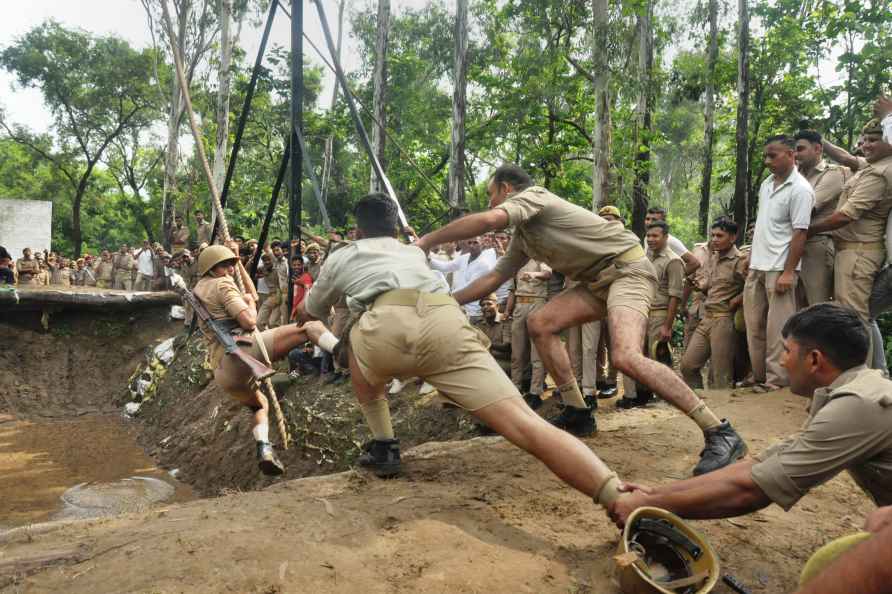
786	200
145	267
467	268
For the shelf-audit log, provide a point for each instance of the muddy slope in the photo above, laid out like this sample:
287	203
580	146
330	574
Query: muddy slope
78	364
192	426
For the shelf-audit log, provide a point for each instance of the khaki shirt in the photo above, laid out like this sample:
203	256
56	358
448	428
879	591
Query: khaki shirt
827	181
123	263
270	273
223	300
534	287
498	333
314	268
724	281
849	428
203	233
867	199
104	270
27	269
366	268
179	236
670	277
569	238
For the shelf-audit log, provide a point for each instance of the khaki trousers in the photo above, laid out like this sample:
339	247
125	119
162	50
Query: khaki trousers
766	312
853	275
816	275
143	282
124	281
715	341
523	351
654	322
284	313
268	316
339	320
582	344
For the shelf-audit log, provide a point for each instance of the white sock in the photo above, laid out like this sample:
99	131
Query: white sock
261	432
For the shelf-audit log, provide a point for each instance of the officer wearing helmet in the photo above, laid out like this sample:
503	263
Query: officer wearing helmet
219	293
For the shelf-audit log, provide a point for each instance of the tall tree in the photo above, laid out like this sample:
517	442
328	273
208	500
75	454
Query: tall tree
741	176
644	116
224	80
379	83
457	148
96	89
709	114
196	29
601	89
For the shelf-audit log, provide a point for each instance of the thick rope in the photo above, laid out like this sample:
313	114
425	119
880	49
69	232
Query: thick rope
221	216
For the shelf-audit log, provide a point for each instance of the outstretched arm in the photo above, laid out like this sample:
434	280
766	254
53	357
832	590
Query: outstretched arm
481	287
465	227
840	155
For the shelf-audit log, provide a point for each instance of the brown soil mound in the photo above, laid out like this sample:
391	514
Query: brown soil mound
193	426
79	364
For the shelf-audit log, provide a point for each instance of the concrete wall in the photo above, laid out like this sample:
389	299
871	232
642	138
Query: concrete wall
25	223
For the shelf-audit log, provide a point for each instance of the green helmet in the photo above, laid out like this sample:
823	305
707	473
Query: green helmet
212	256
660	553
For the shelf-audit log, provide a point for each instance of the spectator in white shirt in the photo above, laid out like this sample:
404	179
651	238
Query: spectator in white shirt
786	200
467	268
145	267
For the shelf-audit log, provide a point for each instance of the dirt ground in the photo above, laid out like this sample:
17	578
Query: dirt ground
470	516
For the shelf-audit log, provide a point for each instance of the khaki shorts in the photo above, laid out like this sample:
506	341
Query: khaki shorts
234	376
433	341
626	284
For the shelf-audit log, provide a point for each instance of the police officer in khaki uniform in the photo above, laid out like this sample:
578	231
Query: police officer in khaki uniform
203	229
28	269
669	269
617	284
219	293
859	224
410	326
497	331
179	235
693	296
123	263
848	429
715	338
104	268
528	293
827	180
270	310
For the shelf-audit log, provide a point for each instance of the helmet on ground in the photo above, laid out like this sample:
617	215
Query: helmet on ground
212	256
661	353
660	554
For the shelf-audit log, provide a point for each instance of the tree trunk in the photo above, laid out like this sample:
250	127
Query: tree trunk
709	115
643	117
600	87
224	78
379	89
329	142
741	179
457	153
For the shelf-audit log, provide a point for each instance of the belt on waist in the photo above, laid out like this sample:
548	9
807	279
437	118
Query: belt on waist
859	245
719	314
411	297
633	254
528	299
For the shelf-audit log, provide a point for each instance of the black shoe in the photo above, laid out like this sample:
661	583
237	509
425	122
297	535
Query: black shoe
641	400
267	461
533	400
381	456
723	447
591	401
330	378
577	421
341	378
607	391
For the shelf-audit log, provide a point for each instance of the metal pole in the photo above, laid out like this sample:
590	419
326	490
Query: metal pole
264	231
297	116
360	128
246	109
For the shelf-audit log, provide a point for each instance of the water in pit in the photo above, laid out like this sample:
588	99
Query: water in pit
82	467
